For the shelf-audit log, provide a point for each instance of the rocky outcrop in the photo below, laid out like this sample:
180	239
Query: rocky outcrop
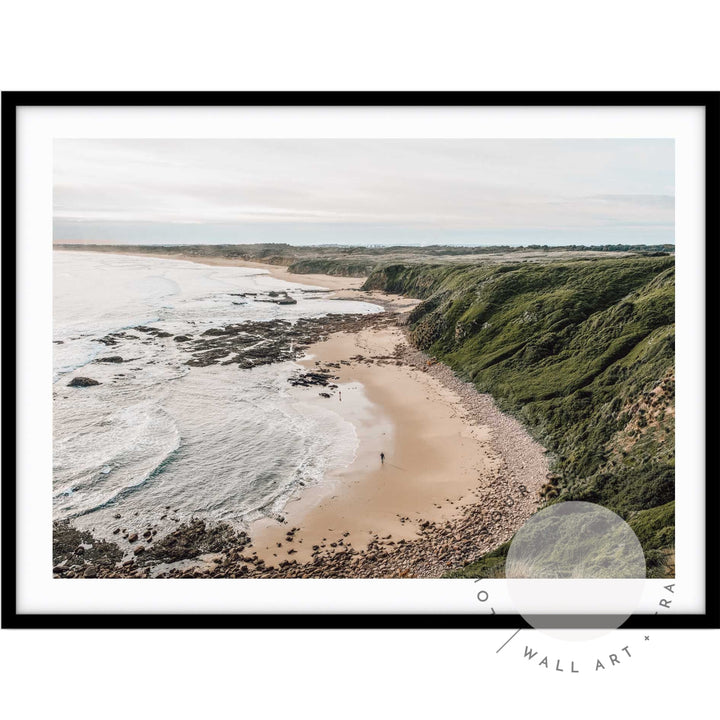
82	382
251	344
79	554
195	538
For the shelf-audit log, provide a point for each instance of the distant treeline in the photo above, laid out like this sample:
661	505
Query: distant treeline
360	261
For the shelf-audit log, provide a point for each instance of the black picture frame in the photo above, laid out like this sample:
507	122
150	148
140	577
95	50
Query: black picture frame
12	101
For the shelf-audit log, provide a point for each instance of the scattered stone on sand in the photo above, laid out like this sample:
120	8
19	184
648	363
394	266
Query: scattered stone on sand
82	382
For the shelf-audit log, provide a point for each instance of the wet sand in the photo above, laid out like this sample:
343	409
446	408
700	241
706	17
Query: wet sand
433	456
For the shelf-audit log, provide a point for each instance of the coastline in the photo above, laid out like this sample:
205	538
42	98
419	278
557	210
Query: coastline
280	272
460	477
341	287
448	478
432	456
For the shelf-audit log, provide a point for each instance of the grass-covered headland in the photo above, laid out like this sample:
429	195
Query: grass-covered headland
583	353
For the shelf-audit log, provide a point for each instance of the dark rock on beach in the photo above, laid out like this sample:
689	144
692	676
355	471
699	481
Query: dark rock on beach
251	344
82	382
156	332
307	379
193	539
67	540
279	298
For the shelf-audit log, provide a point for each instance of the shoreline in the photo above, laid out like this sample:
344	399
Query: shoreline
460	476
280	272
432	455
341	287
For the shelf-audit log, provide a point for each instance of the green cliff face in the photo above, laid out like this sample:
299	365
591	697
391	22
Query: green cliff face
582	352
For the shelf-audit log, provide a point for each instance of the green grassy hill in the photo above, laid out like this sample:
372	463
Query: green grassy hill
582	352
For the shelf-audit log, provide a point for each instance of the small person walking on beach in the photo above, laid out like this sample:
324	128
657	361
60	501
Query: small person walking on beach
382	458
340	395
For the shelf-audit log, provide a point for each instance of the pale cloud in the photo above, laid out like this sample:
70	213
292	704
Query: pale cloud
433	186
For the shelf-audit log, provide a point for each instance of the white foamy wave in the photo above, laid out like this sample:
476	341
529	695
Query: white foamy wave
214	442
109	453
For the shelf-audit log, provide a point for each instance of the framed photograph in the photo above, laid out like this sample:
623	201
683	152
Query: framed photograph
359	360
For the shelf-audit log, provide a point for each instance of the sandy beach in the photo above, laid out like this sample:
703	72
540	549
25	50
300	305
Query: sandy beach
433	456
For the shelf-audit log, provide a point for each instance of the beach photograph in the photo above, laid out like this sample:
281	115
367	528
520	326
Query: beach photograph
357	358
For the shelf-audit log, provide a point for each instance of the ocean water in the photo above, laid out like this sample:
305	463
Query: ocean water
216	442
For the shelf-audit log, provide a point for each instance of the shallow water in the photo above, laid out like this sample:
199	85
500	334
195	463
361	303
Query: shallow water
215	442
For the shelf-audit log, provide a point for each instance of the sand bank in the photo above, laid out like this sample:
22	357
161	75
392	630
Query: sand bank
433	456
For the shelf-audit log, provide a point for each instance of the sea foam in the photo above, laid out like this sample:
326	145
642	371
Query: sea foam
214	442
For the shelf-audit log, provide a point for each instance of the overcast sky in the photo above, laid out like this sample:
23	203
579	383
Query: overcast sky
365	191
